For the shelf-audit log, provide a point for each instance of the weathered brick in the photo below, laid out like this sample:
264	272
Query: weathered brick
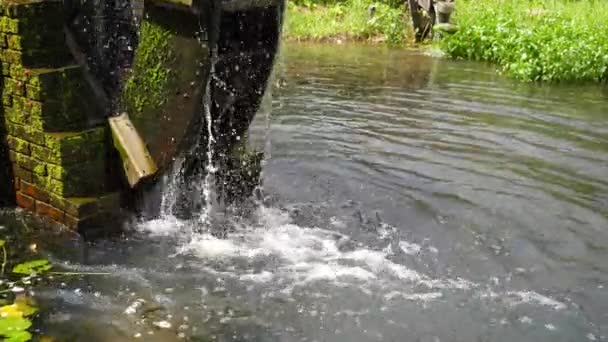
50	12
12	156
26	132
55	57
16	183
46	210
80	172
16	115
17	72
69	148
22	173
7	99
18	145
10	25
32	191
57	201
35	42
6	69
69	188
24	161
14	86
25	201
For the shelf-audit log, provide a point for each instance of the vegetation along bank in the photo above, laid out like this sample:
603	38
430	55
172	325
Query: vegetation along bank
538	40
360	20
552	40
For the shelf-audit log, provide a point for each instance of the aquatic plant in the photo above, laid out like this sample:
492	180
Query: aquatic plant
347	20
539	40
16	314
15	317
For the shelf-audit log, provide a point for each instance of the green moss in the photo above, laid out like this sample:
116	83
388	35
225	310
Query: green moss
149	84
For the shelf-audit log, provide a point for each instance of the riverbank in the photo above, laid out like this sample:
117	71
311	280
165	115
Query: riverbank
534	41
350	20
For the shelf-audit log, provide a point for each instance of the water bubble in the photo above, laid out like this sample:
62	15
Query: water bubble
162	324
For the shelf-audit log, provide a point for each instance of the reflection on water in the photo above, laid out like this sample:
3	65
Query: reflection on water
405	196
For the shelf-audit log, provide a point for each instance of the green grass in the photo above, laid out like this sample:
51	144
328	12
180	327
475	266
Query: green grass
551	40
347	20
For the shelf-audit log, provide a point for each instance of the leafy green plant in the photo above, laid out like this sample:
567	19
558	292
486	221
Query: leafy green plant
16	315
33	267
15	319
350	20
542	40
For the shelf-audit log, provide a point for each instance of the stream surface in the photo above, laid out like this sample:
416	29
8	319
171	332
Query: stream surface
406	198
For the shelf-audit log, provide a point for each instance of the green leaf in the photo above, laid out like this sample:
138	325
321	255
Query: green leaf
32	267
11	326
2	242
20	336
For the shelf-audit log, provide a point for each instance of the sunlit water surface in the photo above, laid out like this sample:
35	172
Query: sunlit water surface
408	198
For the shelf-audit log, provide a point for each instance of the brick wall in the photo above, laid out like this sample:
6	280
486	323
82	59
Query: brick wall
59	162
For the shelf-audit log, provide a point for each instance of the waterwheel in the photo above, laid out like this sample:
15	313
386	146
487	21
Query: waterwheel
154	61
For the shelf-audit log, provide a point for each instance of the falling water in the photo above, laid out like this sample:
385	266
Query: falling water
210	168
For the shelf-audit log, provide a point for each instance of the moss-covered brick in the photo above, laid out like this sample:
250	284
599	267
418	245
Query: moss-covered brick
14	86
16	116
25	161
57	201
53	57
17	72
70	148
52	116
52	11
59	99
3	41
10	25
7	99
6	69
80	187
18	145
25	132
87	170
34	42
13	41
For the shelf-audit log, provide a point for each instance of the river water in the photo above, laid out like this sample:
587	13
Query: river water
406	198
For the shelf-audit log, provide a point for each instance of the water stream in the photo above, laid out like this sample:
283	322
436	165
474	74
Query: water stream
407	198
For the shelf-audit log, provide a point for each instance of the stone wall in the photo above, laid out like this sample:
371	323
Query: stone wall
59	161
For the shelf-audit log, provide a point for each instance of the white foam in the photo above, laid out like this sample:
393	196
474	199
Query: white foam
519	297
409	248
299	256
162	227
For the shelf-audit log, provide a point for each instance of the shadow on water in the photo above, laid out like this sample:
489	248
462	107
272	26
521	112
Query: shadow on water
404	196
